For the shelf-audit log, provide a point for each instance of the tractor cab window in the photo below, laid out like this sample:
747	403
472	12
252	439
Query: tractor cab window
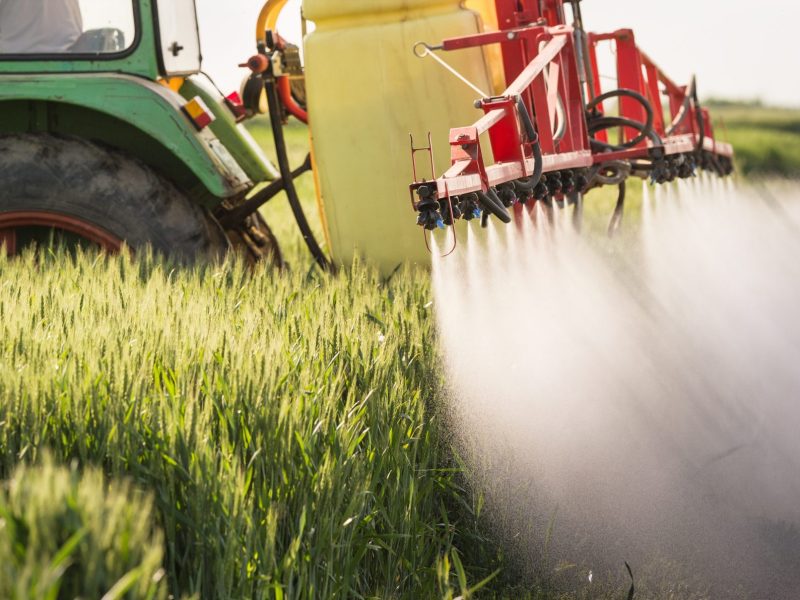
179	37
49	27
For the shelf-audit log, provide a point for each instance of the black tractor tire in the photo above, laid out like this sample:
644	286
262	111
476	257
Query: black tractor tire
104	187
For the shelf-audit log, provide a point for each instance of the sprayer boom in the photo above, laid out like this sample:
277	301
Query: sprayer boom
551	130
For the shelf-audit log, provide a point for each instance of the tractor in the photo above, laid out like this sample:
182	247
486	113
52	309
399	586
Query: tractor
116	136
111	133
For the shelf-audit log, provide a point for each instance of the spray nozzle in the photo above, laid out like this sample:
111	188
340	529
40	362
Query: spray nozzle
448	215
429	215
507	194
554	183
540	192
468	204
568	182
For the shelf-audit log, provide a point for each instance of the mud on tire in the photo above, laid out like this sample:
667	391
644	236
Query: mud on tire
74	177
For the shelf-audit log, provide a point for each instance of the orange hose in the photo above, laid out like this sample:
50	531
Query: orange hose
285	93
268	19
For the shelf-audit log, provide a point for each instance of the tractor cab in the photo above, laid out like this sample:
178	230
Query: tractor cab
107	97
66	27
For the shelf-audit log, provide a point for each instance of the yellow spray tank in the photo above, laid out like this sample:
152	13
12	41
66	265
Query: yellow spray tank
366	92
488	14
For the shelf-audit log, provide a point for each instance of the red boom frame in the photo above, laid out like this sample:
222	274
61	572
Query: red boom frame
554	72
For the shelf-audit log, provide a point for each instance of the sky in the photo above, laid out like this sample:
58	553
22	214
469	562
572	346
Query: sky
739	49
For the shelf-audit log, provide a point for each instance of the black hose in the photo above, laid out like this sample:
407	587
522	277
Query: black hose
275	117
492	204
601	123
503	213
619	211
612	172
598	122
529	183
527	123
538	164
701	122
624	92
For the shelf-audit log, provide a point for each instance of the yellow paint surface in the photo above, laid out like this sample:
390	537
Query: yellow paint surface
367	91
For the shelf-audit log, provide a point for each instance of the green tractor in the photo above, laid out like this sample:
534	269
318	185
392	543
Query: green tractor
111	134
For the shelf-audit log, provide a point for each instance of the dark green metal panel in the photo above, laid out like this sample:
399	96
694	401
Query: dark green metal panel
236	138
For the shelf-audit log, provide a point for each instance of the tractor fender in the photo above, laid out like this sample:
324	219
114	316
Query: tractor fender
137	116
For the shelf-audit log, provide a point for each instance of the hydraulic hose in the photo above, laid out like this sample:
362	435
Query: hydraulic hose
503	214
528	184
275	117
613	172
492	204
601	123
701	122
591	106
620	170
288	100
619	211
598	122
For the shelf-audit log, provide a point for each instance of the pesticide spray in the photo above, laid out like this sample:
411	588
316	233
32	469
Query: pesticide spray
637	400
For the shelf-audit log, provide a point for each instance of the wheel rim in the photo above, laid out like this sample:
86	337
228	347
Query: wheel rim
12	224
